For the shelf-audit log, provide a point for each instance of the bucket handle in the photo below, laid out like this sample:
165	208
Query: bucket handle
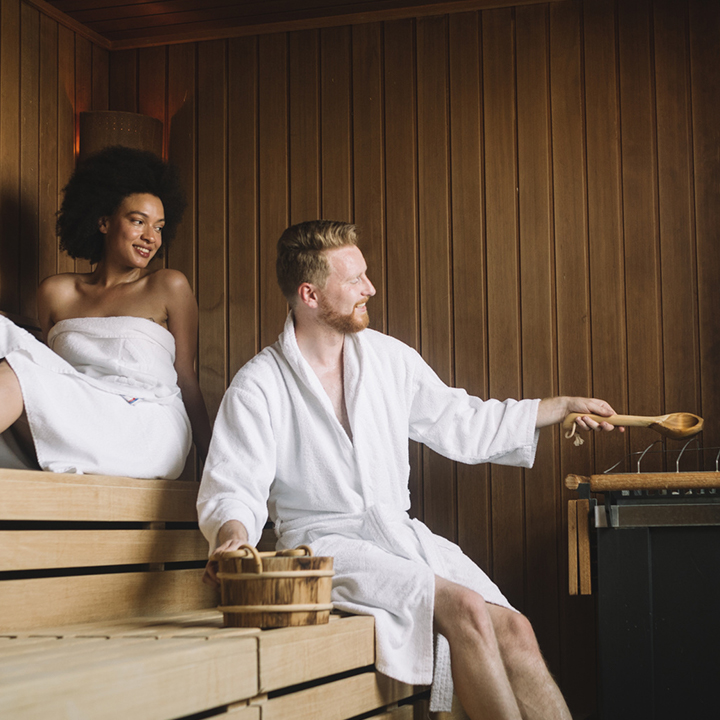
250	551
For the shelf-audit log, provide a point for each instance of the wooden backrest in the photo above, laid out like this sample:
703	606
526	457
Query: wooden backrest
78	548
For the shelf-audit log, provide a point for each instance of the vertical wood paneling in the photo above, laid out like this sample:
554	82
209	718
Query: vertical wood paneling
273	177
675	201
29	160
212	228
537	282
468	262
66	122
243	257
181	136
577	633
434	233
368	142
9	154
100	70
536	193
123	81
705	78
48	148
152	82
503	284
304	126
403	321
336	122
605	235
83	103
639	187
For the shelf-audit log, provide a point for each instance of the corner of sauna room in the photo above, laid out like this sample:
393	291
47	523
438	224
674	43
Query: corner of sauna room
535	187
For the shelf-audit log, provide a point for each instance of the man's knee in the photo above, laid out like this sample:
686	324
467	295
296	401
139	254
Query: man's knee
514	632
461	611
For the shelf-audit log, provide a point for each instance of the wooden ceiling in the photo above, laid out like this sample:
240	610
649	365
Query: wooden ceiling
118	24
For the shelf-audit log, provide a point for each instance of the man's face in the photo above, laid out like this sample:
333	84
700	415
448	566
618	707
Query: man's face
342	302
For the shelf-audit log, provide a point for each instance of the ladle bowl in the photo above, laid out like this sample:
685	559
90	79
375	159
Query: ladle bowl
673	425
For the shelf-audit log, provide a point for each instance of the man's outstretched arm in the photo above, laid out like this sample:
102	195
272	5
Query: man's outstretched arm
552	411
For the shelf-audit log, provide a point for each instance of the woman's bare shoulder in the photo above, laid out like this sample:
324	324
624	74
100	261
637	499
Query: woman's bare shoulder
169	280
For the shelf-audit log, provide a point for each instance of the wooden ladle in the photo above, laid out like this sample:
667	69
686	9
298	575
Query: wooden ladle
674	425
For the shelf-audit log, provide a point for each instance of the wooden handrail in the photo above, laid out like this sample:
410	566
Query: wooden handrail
645	481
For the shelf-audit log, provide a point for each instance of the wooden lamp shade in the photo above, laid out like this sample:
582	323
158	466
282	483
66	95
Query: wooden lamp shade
101	129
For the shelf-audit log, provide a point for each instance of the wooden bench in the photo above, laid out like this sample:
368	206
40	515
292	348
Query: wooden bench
103	615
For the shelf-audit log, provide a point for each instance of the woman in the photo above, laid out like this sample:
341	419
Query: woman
115	391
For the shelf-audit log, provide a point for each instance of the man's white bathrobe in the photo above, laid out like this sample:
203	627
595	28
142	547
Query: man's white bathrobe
278	445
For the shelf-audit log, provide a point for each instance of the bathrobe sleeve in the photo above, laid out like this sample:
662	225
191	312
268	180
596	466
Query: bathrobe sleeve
240	466
467	429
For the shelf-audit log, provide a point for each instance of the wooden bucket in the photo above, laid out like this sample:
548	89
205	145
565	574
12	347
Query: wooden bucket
274	589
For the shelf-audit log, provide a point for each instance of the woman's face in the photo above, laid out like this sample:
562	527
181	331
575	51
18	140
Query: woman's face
133	233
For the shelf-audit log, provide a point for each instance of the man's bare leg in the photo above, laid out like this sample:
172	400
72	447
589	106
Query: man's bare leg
498	670
11	399
536	692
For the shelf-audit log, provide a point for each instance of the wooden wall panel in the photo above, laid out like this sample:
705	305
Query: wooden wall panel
681	377
606	267
336	122
577	635
436	334
10	155
243	255
537	285
401	222
368	164
303	61
468	266
29	158
536	194
503	284
272	177
212	213
642	248
705	81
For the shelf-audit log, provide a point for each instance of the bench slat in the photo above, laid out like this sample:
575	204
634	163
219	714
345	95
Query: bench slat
290	656
159	680
32	549
41	602
338	700
33	495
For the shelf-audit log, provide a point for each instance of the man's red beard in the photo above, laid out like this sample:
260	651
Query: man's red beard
343	323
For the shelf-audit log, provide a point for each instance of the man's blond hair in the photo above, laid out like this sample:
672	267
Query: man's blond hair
301	253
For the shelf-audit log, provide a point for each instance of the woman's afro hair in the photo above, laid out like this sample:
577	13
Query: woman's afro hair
99	185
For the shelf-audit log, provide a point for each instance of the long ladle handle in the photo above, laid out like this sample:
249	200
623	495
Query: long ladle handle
625	420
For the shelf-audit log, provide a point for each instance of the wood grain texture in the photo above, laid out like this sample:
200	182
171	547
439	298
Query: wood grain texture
40	602
30	550
468	268
539	332
503	284
243	249
32	495
368	161
339	699
640	210
273	155
288	656
304	117
148	680
336	123
212	229
436	331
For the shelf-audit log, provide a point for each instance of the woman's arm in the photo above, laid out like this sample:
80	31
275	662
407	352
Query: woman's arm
182	314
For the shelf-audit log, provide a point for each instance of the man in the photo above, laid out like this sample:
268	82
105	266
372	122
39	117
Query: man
316	429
